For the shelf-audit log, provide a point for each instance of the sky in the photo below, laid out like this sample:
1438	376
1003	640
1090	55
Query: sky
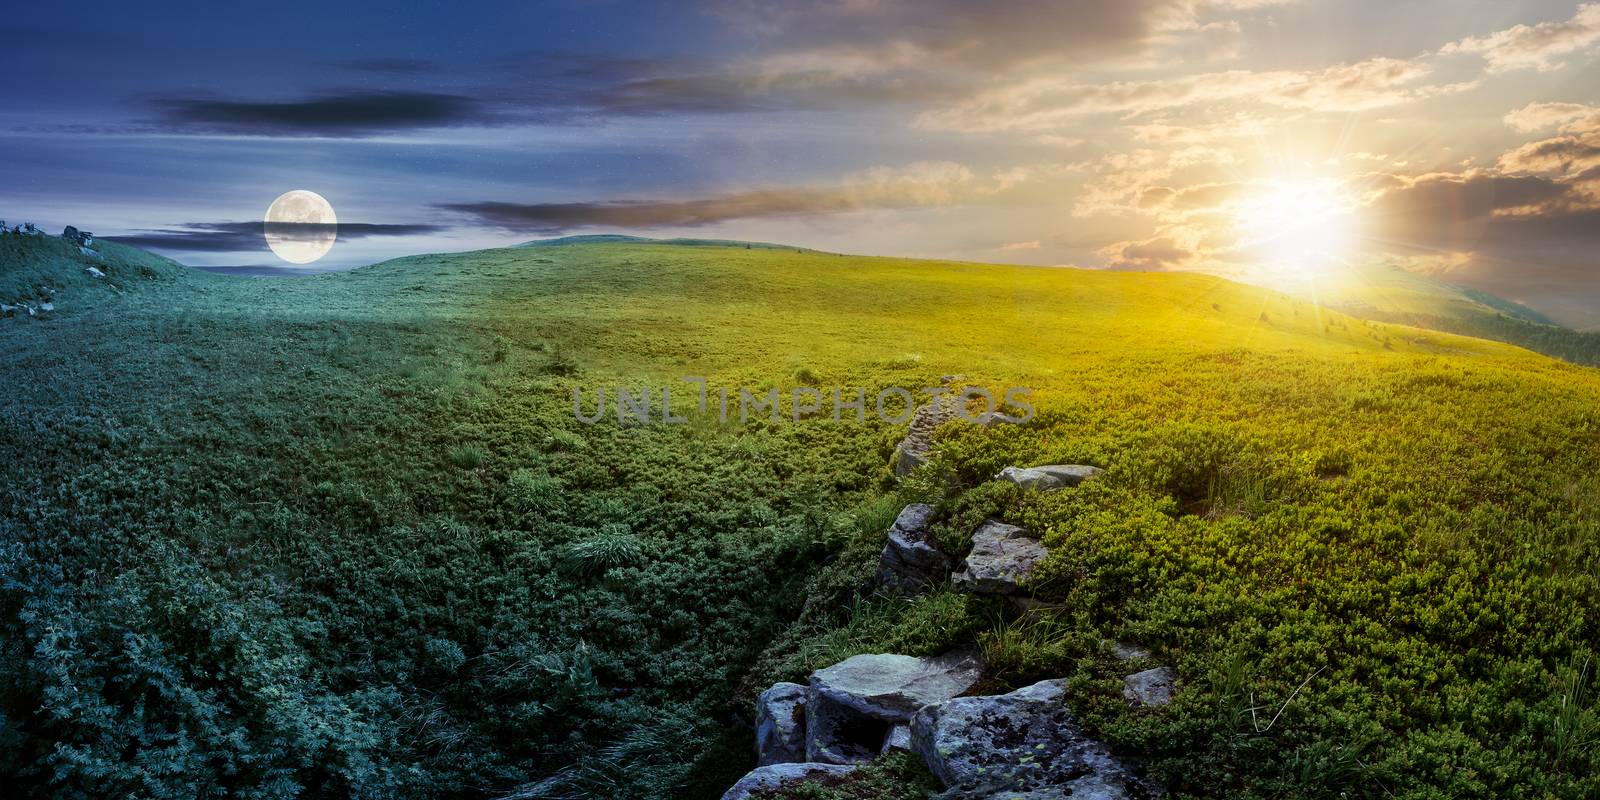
1263	140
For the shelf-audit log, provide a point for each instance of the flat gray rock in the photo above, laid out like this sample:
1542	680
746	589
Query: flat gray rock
853	706
781	724
1049	477
911	561
774	776
1152	687
1023	744
1002	558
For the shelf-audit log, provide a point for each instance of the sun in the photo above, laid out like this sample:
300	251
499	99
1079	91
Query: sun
1297	227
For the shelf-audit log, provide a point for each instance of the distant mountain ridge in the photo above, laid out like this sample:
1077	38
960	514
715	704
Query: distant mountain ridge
1385	293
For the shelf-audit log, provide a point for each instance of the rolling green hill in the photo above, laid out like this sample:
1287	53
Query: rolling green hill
343	535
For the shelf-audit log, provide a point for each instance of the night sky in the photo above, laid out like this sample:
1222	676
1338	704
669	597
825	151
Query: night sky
1458	139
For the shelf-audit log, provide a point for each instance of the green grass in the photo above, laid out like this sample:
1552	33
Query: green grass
342	535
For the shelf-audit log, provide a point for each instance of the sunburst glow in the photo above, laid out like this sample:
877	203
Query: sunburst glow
1300	227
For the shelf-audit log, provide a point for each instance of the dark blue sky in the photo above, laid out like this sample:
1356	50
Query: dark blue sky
1459	137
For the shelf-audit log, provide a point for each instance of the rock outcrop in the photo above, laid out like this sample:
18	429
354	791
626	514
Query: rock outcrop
77	237
912	452
778	775
1018	746
1152	687
1049	477
781	725
911	561
1002	558
1023	744
853	706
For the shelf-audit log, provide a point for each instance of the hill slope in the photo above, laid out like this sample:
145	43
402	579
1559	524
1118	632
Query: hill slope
344	534
1390	294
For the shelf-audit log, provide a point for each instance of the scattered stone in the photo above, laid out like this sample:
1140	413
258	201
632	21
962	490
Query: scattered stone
1128	652
1152	687
781	724
95	272
911	561
90	253
1049	477
47	306
853	705
899	739
991	419
1022	744
774	776
1002	558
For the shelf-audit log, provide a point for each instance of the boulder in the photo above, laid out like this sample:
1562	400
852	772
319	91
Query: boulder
1049	477
1022	744
853	706
1002	557
1152	687
90	253
774	776
911	561
781	724
94	272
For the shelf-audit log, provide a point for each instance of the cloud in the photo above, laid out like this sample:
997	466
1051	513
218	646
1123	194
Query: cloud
919	185
1530	238
224	237
1541	116
1538	46
1576	151
1011	247
340	115
1159	253
1047	103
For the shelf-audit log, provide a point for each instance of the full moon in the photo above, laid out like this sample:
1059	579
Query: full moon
301	226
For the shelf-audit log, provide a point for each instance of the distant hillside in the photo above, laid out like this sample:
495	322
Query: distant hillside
1391	294
37	270
619	238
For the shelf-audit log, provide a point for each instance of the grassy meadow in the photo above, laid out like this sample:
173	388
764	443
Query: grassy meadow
343	536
